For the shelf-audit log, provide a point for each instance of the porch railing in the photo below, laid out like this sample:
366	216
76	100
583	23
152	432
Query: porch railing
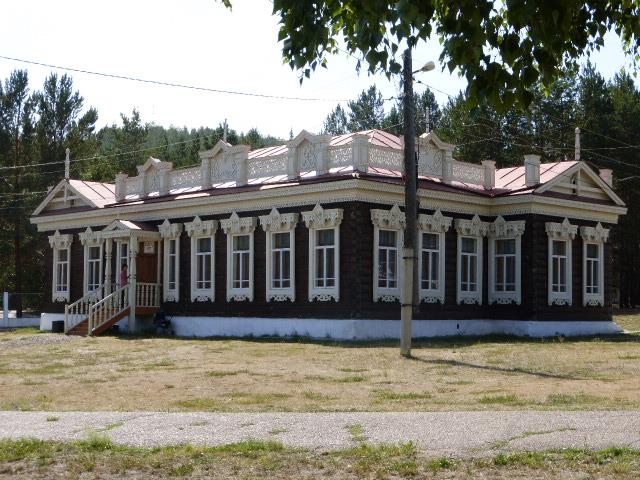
107	308
147	294
78	311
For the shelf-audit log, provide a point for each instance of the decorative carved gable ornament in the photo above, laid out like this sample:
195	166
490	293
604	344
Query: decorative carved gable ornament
60	241
278	222
436	223
561	231
597	234
393	219
500	228
170	230
90	238
472	228
235	225
200	228
321	218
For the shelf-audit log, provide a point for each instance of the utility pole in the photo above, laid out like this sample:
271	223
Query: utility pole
410	198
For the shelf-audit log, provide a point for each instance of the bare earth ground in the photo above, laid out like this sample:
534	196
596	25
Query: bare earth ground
41	371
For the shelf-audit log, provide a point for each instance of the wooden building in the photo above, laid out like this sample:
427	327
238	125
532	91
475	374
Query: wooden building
306	238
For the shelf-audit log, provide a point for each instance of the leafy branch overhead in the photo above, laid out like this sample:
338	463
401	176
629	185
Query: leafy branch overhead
502	48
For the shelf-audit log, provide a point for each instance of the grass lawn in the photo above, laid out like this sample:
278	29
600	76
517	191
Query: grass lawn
53	372
97	457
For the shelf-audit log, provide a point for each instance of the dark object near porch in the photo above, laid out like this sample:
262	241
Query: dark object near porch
57	326
162	324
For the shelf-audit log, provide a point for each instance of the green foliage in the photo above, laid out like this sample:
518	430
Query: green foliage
494	45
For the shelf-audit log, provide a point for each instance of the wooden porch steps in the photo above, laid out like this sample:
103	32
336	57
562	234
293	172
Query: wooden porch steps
82	329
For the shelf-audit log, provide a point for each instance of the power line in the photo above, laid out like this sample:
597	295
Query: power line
172	84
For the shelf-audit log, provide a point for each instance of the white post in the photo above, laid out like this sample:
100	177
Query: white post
133	253
489	174
5	309
67	165
577	145
107	268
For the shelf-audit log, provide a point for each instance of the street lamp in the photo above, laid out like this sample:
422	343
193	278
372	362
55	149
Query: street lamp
410	263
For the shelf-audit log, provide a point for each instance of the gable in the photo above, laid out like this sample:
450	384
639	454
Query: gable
581	181
60	197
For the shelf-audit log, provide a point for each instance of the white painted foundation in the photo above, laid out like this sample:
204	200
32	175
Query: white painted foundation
365	329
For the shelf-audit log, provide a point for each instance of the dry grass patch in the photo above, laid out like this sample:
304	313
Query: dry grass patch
254	375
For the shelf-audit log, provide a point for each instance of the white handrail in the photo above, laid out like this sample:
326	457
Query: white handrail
78	311
107	308
147	294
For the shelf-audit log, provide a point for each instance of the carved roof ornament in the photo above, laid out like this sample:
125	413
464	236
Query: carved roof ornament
321	218
90	238
60	241
278	222
154	163
235	225
472	228
170	230
201	228
436	223
500	228
561	231
597	234
393	219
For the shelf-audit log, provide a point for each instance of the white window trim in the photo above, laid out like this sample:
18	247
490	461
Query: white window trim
89	239
474	228
500	229
170	231
392	220
273	223
436	224
58	243
196	230
597	235
321	219
562	232
234	226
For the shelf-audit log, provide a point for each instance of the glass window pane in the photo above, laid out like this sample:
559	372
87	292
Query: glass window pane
387	238
559	247
204	244
325	237
281	240
286	259
592	250
469	245
245	270
62	255
172	247
430	241
472	272
506	246
240	242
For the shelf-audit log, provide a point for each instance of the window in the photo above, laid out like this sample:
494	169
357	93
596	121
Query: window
280	255
559	274
469	264
61	245
241	261
325	256
239	233
431	257
202	235
122	254
594	239
170	232
94	268
324	253
504	269
470	233
388	240
92	243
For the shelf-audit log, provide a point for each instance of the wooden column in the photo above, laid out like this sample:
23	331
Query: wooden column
133	253
108	245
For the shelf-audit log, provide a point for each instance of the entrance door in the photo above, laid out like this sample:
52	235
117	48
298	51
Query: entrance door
147	262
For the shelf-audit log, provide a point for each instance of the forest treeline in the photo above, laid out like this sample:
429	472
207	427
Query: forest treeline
38	123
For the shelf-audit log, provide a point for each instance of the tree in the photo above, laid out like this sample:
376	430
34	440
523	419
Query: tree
495	45
335	123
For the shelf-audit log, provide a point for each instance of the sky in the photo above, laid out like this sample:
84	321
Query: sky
199	43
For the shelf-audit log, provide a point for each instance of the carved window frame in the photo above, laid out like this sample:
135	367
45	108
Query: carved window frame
561	232
60	292
389	220
89	240
272	224
197	230
477	230
323	219
170	232
500	229
598	236
235	226
436	224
